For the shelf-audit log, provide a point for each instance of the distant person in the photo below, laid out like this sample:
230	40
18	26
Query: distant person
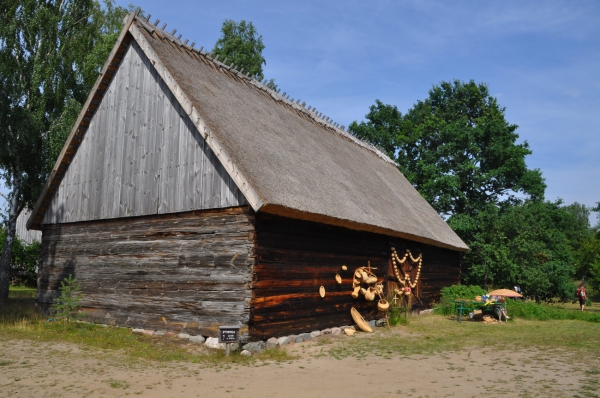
518	290
500	312
582	296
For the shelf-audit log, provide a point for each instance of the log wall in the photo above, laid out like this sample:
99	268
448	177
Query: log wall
294	258
187	272
197	270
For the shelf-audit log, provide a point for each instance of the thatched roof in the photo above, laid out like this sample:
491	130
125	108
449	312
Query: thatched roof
284	158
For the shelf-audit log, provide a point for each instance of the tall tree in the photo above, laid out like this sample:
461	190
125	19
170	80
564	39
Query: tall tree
596	227
50	52
241	45
456	148
462	155
527	244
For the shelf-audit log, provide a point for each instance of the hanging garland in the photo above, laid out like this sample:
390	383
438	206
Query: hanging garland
406	281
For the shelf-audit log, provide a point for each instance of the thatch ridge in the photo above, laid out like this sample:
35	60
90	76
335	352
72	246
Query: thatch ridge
278	98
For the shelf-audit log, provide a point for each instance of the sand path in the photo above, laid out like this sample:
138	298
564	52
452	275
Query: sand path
35	369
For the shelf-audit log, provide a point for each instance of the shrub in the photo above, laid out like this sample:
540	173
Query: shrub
543	312
455	292
397	315
23	261
66	306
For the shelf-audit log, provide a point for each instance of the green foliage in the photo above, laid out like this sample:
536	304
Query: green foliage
398	315
455	292
241	44
524	244
456	148
67	305
60	130
461	154
588	260
271	84
578	227
588	256
50	56
596	228
24	259
382	129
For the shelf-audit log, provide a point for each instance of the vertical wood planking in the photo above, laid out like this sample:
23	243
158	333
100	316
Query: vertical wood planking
128	144
22	232
108	188
99	163
141	155
119	131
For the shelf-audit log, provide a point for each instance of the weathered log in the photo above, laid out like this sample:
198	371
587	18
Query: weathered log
194	267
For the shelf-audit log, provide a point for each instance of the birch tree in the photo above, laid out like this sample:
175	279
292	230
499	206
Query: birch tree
50	55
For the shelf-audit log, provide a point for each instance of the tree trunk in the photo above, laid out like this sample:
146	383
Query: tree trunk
11	228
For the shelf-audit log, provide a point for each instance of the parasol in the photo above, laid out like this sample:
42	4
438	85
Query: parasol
504	293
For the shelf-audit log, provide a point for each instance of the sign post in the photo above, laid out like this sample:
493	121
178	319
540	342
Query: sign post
228	335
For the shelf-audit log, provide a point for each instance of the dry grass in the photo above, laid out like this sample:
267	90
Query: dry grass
20	320
437	334
426	334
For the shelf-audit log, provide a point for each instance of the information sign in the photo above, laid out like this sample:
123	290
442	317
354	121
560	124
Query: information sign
229	334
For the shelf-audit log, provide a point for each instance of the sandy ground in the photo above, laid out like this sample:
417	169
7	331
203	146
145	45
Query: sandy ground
32	369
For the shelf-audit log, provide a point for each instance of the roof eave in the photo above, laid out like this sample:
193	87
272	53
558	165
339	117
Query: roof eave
280	210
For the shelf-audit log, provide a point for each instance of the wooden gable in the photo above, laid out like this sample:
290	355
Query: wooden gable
141	155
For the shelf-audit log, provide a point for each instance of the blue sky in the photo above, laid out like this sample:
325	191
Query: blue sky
540	59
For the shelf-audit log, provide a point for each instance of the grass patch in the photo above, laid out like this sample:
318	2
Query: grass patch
437	334
422	335
544	312
118	384
20	320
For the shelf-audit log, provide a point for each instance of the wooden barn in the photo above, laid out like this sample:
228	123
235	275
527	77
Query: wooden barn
190	195
26	236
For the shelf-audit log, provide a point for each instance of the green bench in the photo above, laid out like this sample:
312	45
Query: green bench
467	306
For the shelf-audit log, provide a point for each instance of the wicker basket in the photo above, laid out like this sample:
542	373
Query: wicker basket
360	321
370	294
383	305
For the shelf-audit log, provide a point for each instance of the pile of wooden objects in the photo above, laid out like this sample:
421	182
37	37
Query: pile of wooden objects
366	284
